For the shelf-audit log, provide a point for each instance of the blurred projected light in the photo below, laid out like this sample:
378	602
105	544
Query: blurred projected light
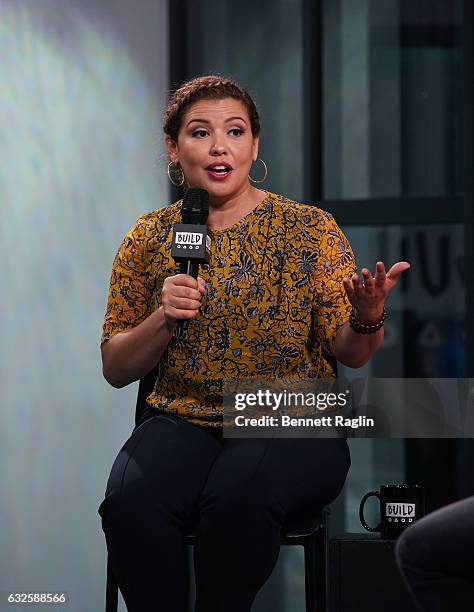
78	164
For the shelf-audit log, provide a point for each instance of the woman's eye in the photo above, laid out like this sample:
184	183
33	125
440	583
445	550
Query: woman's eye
233	131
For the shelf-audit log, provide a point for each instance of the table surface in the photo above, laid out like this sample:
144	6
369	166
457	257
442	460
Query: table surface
371	537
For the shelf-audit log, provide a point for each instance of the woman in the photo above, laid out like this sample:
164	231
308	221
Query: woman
275	300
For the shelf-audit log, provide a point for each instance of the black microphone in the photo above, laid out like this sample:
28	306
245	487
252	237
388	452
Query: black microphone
191	245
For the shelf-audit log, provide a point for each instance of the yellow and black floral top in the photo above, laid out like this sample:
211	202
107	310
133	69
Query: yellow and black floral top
274	300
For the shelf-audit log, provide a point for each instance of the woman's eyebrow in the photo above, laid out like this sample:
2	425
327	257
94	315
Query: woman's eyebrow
229	119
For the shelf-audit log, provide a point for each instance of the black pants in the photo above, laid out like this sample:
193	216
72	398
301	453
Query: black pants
436	558
171	474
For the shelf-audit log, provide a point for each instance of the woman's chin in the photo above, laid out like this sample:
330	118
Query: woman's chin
218	189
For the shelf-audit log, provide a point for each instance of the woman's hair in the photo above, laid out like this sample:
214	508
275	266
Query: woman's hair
209	87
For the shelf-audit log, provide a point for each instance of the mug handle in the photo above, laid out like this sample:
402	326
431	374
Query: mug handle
361	511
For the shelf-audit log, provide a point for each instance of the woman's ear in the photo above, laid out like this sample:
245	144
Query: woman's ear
172	148
255	145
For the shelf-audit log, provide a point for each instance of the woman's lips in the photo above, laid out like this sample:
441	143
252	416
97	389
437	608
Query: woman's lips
220	176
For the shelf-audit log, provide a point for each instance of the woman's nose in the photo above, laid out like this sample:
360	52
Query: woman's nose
217	147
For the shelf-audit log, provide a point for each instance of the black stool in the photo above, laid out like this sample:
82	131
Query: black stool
307	529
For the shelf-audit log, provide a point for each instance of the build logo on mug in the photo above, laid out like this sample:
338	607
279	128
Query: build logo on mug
400	506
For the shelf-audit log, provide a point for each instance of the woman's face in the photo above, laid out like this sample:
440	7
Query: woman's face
215	147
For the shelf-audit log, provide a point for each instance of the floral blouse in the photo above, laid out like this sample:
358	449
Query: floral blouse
273	303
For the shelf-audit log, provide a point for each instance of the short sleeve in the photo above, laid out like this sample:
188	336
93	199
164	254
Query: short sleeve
331	307
129	295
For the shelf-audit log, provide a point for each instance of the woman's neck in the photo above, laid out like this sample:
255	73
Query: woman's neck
225	213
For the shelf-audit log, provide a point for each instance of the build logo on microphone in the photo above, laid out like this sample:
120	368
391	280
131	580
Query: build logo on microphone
188	240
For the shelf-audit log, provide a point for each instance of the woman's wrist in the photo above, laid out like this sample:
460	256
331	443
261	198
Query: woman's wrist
369	317
170	322
368	323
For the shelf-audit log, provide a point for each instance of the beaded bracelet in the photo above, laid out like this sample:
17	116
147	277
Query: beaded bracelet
361	328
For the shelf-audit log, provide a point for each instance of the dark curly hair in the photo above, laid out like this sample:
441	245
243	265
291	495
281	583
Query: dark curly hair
209	87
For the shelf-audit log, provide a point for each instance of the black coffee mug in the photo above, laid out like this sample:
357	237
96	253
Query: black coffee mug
400	506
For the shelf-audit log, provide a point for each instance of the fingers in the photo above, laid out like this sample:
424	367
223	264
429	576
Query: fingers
378	281
181	296
184	280
380	274
397	269
371	289
354	287
185	292
369	281
349	287
201	285
358	286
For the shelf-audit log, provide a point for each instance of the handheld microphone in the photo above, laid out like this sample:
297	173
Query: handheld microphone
191	244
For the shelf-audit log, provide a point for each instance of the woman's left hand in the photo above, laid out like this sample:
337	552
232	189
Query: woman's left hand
368	297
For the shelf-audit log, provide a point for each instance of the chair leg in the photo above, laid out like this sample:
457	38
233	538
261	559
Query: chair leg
315	572
111	594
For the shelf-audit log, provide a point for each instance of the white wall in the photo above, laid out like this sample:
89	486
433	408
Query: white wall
82	87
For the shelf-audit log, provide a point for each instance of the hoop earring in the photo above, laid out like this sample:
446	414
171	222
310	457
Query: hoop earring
180	184
266	173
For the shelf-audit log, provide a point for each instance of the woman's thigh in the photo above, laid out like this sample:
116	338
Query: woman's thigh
162	468
292	473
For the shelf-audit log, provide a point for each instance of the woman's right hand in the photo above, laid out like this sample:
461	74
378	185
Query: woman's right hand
181	297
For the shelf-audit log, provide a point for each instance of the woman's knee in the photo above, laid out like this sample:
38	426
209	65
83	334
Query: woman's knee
113	490
314	474
160	469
